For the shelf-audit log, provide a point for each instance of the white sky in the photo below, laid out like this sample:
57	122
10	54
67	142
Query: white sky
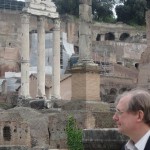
115	7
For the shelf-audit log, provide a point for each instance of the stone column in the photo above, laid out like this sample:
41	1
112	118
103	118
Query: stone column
41	58
85	33
25	56
85	74
56	61
102	37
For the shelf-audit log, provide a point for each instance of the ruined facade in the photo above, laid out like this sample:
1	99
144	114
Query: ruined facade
45	129
13	130
144	74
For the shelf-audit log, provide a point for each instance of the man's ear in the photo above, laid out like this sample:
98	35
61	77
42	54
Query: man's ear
140	115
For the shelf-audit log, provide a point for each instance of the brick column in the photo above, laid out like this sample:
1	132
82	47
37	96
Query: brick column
56	61
41	58
25	56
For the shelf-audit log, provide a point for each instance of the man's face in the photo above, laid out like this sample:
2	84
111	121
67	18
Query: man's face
125	120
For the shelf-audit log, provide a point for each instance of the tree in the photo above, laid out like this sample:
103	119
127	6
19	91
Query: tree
67	7
102	10
148	4
132	12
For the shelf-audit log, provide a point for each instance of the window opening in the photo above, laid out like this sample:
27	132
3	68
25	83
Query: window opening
7	133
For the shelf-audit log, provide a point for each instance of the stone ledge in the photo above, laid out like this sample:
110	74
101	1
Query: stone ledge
103	139
83	68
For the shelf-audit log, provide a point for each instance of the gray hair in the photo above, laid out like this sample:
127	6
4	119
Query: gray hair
139	100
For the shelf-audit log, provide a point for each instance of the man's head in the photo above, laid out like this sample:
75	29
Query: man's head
132	111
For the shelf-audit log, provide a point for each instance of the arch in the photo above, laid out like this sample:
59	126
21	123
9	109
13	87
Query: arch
7	133
98	37
124	36
33	31
76	49
110	36
119	63
144	36
113	91
136	65
122	90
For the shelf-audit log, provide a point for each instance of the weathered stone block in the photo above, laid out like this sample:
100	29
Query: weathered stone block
103	139
13	147
37	104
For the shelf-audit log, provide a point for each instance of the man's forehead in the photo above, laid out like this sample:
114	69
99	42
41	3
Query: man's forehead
124	100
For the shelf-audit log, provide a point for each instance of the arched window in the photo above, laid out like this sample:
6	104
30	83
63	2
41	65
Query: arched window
7	133
137	65
122	90
98	37
113	91
124	36
109	36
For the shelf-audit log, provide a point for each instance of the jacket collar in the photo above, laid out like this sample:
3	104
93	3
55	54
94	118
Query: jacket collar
147	147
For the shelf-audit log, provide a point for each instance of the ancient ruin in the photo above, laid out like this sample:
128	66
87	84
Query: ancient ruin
43	10
85	74
106	62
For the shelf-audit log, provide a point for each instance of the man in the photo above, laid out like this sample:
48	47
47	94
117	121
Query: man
132	117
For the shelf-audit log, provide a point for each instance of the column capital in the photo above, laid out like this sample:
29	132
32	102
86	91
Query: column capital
40	21
25	18
41	18
56	24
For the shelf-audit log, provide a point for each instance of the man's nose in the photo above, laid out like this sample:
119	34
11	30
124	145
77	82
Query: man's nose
115	117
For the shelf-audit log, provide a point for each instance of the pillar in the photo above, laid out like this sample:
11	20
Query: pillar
85	33
56	61
85	74
25	56
102	37
41	57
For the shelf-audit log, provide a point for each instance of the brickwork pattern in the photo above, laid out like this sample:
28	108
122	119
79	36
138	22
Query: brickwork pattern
85	86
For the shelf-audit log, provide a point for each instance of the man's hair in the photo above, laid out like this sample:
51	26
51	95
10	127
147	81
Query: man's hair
139	100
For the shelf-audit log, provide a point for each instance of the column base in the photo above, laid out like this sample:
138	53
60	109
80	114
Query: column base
53	98
86	82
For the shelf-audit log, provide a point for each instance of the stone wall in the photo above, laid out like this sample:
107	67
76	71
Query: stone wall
9	60
85	120
10	37
103	139
47	127
13	131
144	68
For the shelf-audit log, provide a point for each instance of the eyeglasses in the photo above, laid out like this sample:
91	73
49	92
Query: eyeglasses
119	112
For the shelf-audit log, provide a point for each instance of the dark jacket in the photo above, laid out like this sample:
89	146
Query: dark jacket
147	147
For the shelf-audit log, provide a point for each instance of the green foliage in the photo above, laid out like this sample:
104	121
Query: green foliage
132	12
70	7
74	135
148	4
102	11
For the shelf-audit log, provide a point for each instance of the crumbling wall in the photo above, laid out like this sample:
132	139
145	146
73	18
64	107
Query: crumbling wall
13	131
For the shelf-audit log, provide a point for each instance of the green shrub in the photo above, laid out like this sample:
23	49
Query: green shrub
74	135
